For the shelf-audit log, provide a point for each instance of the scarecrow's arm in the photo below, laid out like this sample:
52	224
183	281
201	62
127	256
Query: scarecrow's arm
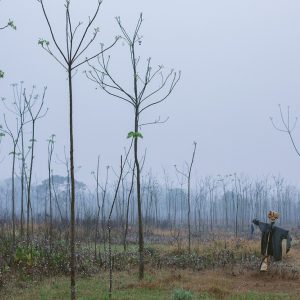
262	226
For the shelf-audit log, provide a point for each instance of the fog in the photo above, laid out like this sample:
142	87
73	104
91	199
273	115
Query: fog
239	60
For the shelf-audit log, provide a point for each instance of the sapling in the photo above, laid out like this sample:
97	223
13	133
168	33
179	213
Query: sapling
187	175
144	96
13	132
70	59
37	111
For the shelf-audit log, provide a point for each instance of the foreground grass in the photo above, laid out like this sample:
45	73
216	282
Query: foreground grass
174	277
87	288
158	285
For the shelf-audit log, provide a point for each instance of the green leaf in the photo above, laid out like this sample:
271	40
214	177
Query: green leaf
1	74
12	25
134	135
43	42
130	134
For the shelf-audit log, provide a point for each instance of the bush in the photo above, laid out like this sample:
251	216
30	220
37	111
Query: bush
181	294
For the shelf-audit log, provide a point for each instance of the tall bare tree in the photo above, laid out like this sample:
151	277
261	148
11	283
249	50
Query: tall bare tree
100	205
70	59
144	96
14	135
35	105
18	108
188	177
50	155
122	165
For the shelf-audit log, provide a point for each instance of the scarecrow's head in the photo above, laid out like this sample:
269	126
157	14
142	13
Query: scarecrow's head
273	215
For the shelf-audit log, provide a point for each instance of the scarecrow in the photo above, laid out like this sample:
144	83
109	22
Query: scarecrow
271	240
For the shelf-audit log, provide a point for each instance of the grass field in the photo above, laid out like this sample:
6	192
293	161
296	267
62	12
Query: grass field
219	284
232	281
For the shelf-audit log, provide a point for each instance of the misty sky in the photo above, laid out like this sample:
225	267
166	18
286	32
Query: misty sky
239	60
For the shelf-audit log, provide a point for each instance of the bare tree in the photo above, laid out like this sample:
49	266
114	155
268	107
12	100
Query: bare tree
188	177
18	108
109	228
224	181
14	136
140	100
56	198
211	184
70	60
100	205
66	162
287	127
50	155
96	177
35	106
237	200
122	165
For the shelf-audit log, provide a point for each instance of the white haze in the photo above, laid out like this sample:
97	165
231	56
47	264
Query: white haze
239	59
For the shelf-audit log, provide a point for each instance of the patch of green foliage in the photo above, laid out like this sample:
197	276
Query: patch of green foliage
35	259
180	294
12	24
134	135
43	42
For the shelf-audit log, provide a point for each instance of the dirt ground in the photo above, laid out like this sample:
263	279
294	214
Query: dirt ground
283	278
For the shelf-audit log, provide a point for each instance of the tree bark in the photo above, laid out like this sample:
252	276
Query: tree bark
139	201
72	225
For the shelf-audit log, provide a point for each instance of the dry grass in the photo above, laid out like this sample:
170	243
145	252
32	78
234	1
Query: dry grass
230	282
220	284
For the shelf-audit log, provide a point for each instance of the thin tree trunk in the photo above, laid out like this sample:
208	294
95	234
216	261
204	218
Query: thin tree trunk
29	183
139	202
127	210
72	227
22	184
13	197
98	212
189	195
50	200
189	212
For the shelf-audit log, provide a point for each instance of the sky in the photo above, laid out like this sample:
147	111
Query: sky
239	60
